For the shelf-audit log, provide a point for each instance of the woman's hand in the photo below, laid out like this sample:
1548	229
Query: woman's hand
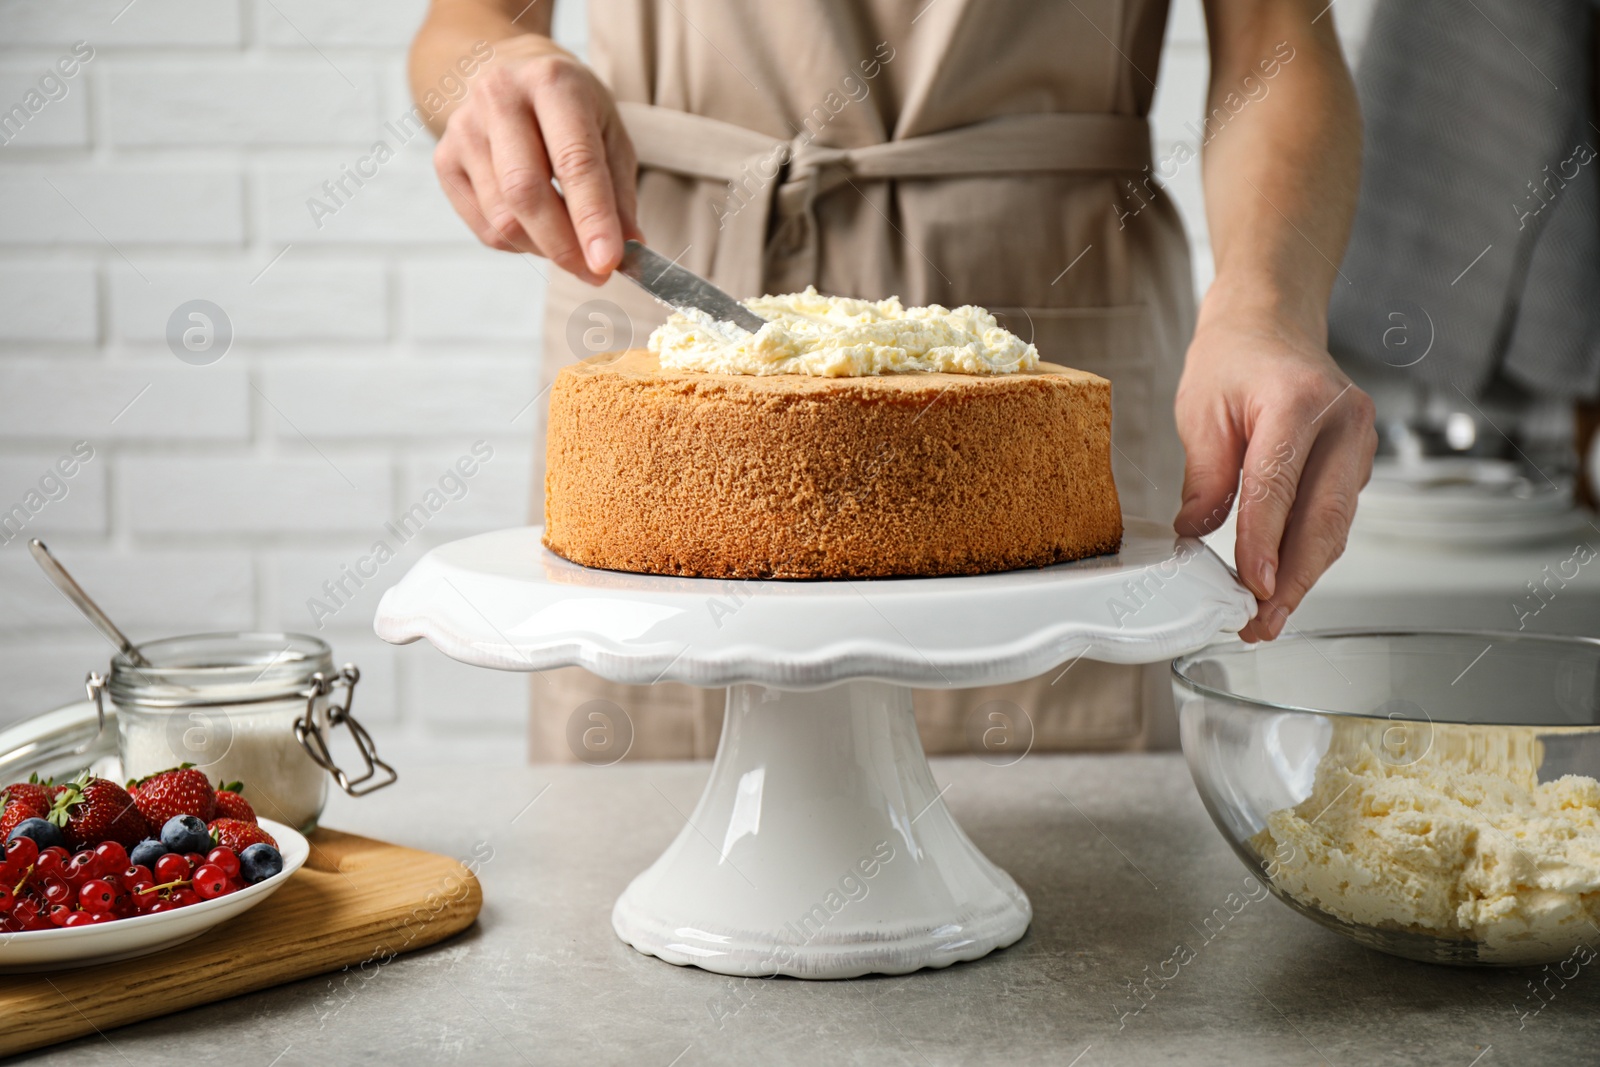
533	114
1258	397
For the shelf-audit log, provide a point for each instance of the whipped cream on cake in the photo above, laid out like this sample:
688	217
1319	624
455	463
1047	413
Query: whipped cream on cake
837	337
1459	840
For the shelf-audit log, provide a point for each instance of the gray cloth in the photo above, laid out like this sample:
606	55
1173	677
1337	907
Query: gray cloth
1478	228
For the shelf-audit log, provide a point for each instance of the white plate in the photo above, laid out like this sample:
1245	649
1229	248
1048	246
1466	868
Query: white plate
80	946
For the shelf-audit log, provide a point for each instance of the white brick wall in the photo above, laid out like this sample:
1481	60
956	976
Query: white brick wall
194	497
255	100
94	205
168	591
368	353
80	507
68	123
450	299
291	23
133	400
170	24
293	300
48	302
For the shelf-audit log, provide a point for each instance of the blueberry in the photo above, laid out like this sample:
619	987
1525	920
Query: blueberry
186	833
259	862
44	833
146	852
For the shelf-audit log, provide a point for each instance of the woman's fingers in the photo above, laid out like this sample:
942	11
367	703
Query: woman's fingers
459	189
1213	449
1264	407
466	174
624	166
526	127
576	148
522	176
1273	461
1324	505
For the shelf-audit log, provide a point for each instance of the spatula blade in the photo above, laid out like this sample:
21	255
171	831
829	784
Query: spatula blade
682	289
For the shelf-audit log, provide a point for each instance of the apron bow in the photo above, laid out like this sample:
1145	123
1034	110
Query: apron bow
767	177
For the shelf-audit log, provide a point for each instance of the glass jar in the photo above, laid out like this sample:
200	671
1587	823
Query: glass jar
241	707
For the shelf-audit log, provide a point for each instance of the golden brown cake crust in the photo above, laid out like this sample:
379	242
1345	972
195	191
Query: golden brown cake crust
791	476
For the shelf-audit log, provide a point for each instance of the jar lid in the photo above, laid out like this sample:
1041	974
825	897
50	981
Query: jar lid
223	668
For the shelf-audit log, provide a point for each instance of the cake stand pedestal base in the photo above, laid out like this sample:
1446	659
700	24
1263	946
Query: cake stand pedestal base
821	849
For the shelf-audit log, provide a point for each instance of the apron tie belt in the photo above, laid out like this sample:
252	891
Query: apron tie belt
766	176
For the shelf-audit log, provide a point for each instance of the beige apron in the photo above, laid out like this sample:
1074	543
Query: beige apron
988	152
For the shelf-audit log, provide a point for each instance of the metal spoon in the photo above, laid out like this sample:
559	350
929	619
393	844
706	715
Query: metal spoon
70	589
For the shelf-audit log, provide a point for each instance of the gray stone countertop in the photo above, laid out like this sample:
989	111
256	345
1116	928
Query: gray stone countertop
1120	876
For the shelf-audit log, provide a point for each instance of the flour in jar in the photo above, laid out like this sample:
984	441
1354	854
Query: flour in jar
229	744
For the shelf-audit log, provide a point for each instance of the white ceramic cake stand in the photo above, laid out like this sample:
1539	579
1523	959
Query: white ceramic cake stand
820	847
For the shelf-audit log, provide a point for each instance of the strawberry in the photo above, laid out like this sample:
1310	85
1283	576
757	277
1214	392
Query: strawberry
179	791
18	810
92	810
32	789
238	834
230	805
23	800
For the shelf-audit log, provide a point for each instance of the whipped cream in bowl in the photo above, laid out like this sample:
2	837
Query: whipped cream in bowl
835	336
1432	795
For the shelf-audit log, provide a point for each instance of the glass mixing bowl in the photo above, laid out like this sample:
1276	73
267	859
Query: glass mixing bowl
1431	795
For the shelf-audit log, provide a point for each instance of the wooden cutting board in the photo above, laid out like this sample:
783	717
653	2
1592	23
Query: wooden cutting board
356	901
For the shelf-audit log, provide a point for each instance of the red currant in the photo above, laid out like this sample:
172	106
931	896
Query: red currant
8	900
60	913
171	868
57	890
113	857
136	874
82	867
97	895
184	897
210	881
22	852
79	918
48	862
223	857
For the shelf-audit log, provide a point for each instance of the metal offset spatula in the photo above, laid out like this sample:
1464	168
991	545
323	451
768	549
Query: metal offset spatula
683	290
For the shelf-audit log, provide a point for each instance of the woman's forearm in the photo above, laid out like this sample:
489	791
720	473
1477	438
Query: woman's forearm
1270	424
1282	160
456	31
